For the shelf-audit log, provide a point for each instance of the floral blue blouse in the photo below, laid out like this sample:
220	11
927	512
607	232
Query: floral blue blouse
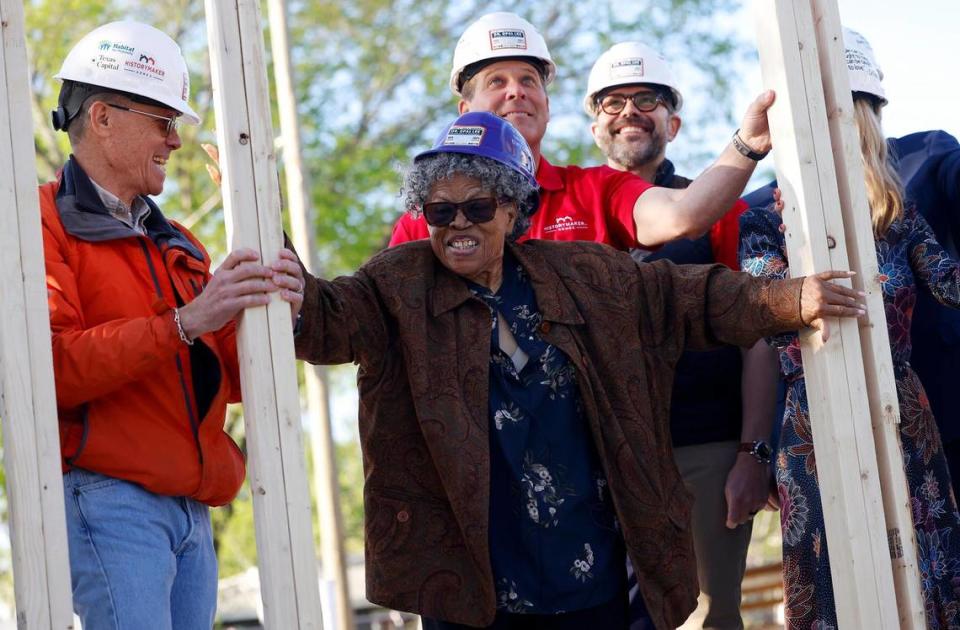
554	543
909	259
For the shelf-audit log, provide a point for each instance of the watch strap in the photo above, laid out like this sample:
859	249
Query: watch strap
744	149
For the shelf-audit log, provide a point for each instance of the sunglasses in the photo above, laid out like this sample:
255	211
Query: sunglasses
480	210
644	101
171	122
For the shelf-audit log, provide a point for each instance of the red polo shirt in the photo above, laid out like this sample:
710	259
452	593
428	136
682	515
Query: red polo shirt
576	204
591	204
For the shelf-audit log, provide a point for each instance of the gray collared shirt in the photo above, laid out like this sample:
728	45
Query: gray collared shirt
133	217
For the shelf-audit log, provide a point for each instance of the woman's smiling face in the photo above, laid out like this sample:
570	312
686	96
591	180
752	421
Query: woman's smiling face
471	250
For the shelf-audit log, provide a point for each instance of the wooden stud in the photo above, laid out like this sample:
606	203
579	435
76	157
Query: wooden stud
874	338
278	479
28	402
847	467
326	485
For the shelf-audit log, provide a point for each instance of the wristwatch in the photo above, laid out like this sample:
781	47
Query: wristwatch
758	448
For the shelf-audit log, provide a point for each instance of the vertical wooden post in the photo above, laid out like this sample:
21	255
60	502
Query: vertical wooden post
326	488
278	479
27	398
874	338
847	467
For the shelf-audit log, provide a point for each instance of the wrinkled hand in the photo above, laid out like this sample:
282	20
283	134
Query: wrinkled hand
240	282
746	490
755	129
288	278
213	169
820	299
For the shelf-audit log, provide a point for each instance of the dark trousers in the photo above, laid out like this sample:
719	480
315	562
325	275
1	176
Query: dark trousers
609	616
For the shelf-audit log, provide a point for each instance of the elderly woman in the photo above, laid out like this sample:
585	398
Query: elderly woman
513	399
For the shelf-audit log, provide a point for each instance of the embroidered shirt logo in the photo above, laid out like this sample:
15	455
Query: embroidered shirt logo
565	223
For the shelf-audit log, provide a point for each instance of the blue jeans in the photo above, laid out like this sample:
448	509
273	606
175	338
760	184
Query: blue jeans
138	559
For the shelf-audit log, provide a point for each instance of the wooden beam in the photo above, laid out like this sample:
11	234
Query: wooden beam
28	402
839	407
278	478
325	479
874	338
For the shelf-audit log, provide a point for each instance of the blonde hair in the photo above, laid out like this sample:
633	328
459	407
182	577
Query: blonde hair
884	189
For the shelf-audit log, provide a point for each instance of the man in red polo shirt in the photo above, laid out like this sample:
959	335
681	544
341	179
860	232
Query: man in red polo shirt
501	64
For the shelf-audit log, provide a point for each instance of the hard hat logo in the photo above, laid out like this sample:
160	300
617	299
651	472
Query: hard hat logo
107	63
145	66
504	39
626	68
117	47
461	136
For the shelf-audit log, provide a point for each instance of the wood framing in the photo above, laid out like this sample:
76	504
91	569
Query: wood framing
842	374
38	531
277	469
333	561
874	337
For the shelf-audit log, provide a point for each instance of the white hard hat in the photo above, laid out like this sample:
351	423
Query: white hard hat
862	68
629	63
497	35
134	58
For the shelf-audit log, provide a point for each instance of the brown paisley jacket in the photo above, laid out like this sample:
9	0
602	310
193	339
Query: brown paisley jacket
422	342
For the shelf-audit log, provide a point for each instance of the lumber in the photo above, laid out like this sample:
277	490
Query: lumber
874	337
28	401
325	479
277	468
847	468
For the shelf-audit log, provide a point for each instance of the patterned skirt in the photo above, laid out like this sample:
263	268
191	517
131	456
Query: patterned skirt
808	587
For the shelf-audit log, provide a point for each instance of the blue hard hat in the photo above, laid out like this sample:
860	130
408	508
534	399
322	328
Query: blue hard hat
489	136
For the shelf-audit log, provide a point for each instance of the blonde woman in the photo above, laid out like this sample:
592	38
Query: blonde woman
910	259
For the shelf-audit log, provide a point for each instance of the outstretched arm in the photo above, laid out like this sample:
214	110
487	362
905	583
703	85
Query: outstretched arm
664	214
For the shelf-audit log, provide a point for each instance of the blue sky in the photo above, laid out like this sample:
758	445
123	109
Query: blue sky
917	44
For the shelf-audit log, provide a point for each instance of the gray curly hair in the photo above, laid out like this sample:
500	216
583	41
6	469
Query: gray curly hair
499	179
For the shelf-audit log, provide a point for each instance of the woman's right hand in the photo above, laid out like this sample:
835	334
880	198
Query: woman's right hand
820	298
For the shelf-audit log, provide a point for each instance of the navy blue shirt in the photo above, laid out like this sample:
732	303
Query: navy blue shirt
554	543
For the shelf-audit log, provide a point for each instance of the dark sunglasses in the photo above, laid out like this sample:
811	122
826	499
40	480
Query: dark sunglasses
614	103
170	123
480	210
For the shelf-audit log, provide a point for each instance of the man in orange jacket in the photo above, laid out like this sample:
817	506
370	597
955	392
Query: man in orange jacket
143	338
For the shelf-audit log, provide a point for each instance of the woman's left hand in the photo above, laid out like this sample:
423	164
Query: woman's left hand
820	298
288	276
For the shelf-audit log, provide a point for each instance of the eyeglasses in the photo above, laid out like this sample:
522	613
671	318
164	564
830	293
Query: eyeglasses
614	103
480	210
172	122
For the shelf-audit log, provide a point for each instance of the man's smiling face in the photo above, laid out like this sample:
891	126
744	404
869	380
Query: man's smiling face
632	138
514	91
